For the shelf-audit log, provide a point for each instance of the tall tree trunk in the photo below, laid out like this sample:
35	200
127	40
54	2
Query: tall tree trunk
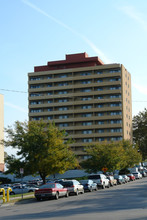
43	177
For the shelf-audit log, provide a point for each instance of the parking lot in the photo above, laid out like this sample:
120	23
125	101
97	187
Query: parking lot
126	201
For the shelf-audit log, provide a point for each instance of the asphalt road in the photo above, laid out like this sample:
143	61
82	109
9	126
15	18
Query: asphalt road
122	202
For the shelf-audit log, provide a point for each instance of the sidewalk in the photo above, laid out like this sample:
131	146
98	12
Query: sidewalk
14	198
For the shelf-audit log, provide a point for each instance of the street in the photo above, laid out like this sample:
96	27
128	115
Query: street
122	202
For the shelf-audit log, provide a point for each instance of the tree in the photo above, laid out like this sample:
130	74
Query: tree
114	155
41	148
140	132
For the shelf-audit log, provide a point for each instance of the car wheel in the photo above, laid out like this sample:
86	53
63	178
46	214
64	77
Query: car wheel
77	192
90	190
103	186
57	196
67	194
12	193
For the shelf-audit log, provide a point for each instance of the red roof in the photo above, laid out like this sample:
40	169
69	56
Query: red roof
72	61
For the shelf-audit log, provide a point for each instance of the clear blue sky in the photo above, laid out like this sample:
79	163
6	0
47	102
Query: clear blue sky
37	31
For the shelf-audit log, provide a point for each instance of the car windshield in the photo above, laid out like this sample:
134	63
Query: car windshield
67	183
47	186
94	177
83	181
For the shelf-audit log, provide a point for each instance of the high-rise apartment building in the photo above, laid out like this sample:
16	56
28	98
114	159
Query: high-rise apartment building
89	99
1	132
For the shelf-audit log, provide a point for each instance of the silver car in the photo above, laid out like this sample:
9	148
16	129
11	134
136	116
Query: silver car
73	186
22	189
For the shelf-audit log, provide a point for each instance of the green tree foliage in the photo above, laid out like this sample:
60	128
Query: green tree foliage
140	132
114	155
41	149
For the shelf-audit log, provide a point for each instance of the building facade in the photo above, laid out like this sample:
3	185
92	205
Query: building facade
89	99
1	132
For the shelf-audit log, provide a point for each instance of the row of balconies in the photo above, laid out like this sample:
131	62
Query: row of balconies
76	104
73	94
76	111
73	78
74	86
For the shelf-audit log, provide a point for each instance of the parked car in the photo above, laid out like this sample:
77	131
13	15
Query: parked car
22	189
73	186
137	175
100	179
119	178
51	190
127	179
112	181
131	176
144	174
89	185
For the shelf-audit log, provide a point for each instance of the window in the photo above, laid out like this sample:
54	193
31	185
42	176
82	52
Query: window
86	106
50	109
86	90
36	110
87	132
101	139
87	115
63	125
62	92
115	96
35	86
99	80
100	114
115	104
35	102
63	116
63	100
62	76
116	138
99	89
86	82
63	84
116	113
116	121
36	118
49	85
100	122
63	108
100	105
100	130
114	79
87	140
100	97
87	123
99	72
116	130
50	117
35	78
49	101
114	71
86	98
49	77
49	93
85	74
35	94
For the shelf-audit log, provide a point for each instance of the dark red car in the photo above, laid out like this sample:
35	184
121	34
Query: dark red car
131	176
51	190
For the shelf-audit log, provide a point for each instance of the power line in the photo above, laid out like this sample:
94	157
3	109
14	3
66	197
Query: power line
8	90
